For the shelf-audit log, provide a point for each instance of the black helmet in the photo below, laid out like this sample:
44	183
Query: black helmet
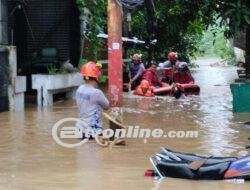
183	67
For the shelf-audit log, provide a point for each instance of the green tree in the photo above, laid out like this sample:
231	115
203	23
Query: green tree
179	27
171	35
216	45
94	15
235	16
179	23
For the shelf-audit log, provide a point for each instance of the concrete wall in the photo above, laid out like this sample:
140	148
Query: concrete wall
47	85
240	54
16	84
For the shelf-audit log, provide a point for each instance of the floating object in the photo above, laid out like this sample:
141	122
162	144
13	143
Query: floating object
191	166
247	124
150	173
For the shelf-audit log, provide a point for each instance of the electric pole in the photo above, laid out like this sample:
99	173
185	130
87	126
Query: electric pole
115	61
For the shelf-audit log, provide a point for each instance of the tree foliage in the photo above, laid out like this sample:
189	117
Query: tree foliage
234	14
216	45
179	23
179	27
93	15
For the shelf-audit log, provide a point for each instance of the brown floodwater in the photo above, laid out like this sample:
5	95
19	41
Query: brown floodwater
30	158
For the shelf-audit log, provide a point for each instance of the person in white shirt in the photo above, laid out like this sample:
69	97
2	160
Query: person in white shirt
90	101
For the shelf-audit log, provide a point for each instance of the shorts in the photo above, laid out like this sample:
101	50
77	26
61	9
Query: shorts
89	131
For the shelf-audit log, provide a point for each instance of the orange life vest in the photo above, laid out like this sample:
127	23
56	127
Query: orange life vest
144	89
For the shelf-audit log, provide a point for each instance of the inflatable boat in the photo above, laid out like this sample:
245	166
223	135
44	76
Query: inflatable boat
185	88
189	89
169	163
165	89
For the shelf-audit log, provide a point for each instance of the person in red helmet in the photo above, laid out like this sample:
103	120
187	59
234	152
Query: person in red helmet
172	60
168	67
172	56
90	101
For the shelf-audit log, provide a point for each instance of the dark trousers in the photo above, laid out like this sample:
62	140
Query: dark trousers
135	83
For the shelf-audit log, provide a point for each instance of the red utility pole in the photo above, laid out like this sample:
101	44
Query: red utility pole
115	61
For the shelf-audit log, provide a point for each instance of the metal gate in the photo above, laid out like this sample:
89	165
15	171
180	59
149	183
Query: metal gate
4	80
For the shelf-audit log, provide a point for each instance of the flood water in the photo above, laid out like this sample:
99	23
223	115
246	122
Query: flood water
30	158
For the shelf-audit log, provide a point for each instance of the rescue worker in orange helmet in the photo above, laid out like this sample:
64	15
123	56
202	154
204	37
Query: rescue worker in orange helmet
144	89
172	60
167	68
90	101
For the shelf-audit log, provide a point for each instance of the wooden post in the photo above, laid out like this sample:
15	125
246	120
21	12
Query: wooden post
115	53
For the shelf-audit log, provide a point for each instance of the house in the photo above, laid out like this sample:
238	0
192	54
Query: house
38	24
32	25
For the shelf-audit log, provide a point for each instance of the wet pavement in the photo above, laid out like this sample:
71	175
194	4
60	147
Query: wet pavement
30	158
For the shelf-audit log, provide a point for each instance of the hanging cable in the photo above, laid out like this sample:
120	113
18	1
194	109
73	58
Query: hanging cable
29	25
18	7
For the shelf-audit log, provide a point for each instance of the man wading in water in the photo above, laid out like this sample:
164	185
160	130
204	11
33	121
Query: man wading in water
90	101
136	70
